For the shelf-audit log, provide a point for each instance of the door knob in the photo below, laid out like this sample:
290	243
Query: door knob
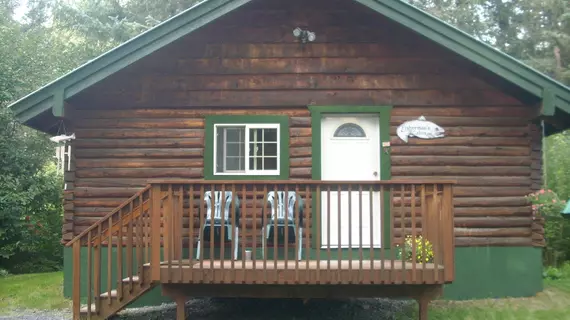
375	173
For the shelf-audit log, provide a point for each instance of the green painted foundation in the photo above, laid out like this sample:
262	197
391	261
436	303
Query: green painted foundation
496	272
481	272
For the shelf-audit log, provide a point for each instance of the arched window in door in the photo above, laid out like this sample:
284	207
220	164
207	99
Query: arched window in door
349	130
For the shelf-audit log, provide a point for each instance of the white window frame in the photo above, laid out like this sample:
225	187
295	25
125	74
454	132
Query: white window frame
247	171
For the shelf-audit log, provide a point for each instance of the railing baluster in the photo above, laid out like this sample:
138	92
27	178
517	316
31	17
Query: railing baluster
275	234
393	272
360	239
191	233
140	238
403	234
449	234
254	237
339	230
242	221
97	276
76	280
264	235
109	260
350	233
169	228
307	229
382	235
200	248
298	235
213	206
234	235
413	207
179	231
373	273
328	234
120	256
130	247
424	226
146	227
286	212
89	275
434	223
223	230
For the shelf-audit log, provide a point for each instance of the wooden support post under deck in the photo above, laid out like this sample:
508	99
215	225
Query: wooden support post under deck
180	308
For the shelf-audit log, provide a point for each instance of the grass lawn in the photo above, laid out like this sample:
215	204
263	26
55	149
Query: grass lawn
552	303
43	291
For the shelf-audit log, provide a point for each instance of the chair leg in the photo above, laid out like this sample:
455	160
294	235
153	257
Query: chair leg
300	237
263	239
198	250
236	240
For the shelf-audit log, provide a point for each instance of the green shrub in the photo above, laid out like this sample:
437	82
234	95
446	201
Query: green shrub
547	204
423	254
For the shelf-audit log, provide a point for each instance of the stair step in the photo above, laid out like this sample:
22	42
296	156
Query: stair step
85	309
135	279
106	294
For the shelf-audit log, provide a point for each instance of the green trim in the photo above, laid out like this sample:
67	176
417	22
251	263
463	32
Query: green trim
283	122
548	102
384	114
199	15
58	104
495	272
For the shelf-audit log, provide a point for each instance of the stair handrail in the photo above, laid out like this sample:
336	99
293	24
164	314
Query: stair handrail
107	216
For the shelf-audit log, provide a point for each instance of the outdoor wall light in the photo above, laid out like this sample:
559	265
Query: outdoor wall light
304	35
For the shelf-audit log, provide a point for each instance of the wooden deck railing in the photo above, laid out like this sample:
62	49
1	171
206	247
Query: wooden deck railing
360	232
125	227
344	232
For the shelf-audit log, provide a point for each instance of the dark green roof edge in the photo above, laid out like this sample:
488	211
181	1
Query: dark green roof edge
120	57
553	93
476	51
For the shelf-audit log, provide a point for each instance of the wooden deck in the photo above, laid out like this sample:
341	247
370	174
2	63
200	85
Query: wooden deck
160	227
301	272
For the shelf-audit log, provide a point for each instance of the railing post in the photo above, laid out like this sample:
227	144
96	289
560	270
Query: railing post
155	233
448	233
77	280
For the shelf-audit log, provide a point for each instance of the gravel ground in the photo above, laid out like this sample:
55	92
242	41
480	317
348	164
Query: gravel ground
253	309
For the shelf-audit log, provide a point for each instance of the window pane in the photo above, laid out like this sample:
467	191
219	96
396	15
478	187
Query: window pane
270	149
234	134
270	135
350	130
270	164
230	149
234	149
219	150
255	149
234	163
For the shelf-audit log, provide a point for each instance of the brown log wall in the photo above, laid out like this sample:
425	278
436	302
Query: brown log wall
147	121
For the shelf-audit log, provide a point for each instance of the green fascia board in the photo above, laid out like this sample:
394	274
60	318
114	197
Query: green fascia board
53	94
284	160
474	50
120	57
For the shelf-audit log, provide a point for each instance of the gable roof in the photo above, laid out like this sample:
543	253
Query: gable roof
554	95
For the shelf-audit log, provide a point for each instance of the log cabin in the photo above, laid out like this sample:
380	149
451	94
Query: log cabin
404	148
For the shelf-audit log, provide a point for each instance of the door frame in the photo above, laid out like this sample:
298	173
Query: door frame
384	114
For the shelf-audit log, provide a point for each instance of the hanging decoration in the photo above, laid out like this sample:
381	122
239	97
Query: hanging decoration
419	128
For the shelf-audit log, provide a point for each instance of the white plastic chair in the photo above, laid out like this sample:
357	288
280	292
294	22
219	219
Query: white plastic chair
213	220
279	214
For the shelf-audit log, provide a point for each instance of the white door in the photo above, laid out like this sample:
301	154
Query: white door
350	150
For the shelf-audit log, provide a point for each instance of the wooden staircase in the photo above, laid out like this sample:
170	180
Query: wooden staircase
105	307
125	236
